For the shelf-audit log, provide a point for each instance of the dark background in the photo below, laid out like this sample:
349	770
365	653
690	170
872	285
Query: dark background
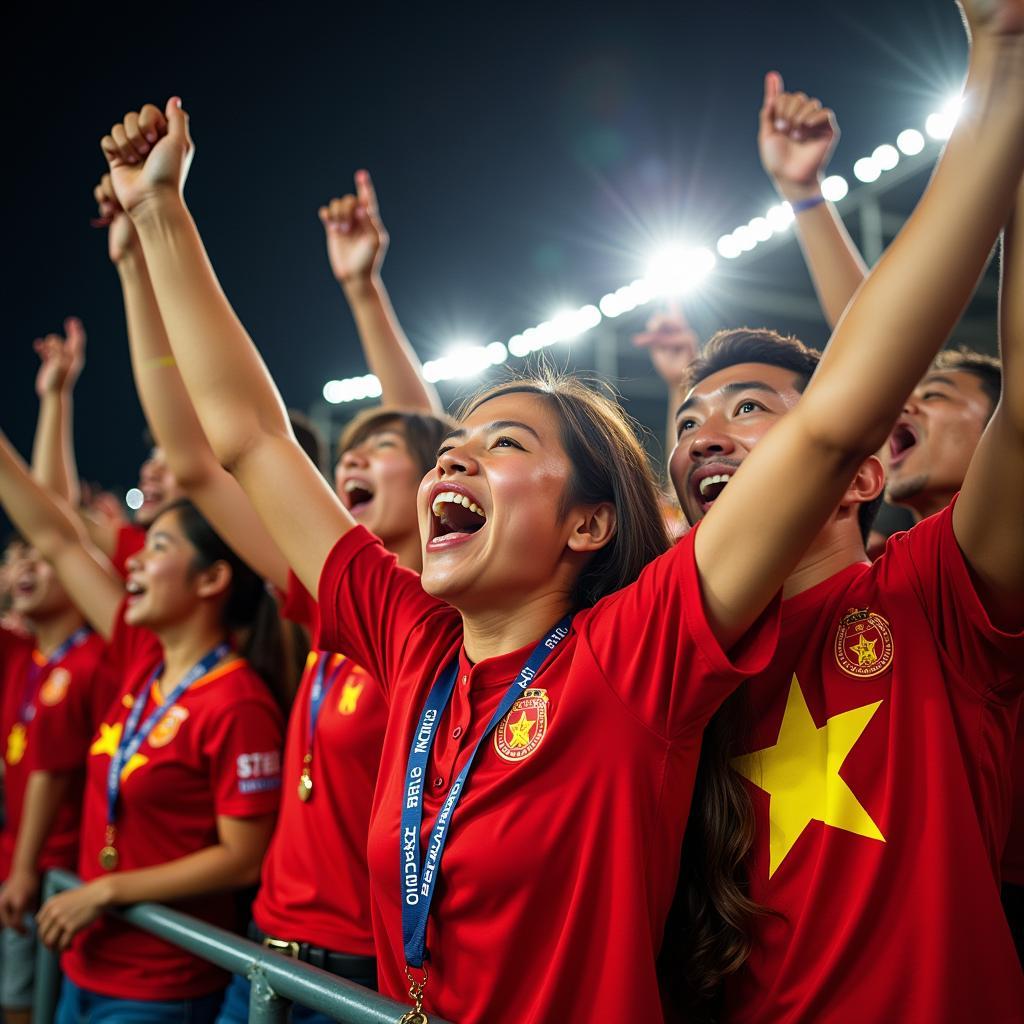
525	156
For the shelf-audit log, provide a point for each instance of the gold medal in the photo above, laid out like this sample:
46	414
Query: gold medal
414	1017
108	858
416	1014
306	780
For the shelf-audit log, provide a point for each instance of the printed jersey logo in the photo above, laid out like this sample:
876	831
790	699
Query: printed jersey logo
352	690
55	689
167	728
521	731
258	772
17	742
800	774
107	743
864	645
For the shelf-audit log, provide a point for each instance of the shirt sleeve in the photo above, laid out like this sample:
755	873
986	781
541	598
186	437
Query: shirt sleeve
655	647
370	606
244	754
298	605
988	660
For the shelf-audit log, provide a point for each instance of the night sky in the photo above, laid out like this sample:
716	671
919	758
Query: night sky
525	157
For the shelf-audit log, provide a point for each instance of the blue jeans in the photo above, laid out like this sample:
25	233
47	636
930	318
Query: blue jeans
235	1009
80	1006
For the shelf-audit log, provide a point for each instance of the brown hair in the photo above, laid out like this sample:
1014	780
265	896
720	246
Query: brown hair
423	432
608	464
310	439
987	369
762	345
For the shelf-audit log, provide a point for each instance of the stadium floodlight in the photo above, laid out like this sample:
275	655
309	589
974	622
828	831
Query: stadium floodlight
609	305
134	499
518	346
761	229
834	188
866	170
886	156
497	353
728	248
940	124
780	217
910	141
333	392
744	238
674	270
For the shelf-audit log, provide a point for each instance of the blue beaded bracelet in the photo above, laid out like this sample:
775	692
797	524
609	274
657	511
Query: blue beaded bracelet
802	205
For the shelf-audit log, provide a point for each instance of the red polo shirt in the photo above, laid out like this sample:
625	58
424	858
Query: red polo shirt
879	767
130	539
563	854
216	751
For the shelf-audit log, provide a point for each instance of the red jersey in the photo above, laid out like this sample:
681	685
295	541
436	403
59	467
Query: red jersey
50	734
130	539
562	857
879	768
1013	854
216	751
315	884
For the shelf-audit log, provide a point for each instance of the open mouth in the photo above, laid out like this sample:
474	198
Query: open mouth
134	591
707	486
356	496
902	439
455	517
152	496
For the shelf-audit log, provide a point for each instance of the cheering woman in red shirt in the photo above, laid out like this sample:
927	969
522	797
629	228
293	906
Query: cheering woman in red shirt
183	777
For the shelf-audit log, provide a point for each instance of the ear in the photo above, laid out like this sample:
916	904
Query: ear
867	485
213	580
593	528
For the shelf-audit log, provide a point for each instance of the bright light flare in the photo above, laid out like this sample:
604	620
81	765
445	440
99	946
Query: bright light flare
779	217
728	247
867	170
940	124
886	156
673	270
134	499
834	188
910	142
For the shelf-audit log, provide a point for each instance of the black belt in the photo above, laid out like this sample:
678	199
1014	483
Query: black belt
357	968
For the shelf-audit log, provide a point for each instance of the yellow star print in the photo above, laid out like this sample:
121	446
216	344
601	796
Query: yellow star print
17	741
801	775
865	649
350	693
520	731
107	743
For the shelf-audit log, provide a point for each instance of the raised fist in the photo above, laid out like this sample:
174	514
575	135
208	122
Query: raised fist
356	238
121	236
672	344
994	17
61	359
149	154
795	139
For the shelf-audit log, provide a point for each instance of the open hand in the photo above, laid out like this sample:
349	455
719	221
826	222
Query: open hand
796	138
356	239
672	344
149	154
61	359
18	897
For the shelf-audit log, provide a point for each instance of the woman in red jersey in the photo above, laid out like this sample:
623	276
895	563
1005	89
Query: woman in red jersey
337	723
183	776
536	648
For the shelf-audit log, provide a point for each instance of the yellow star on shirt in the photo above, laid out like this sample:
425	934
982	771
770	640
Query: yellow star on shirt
107	743
350	694
16	743
865	650
801	775
520	731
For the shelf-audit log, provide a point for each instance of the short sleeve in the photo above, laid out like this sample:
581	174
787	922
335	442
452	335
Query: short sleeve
298	605
244	753
988	659
370	605
655	647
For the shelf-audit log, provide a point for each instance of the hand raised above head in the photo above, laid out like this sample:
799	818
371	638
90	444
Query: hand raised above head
149	154
121	236
356	239
61	359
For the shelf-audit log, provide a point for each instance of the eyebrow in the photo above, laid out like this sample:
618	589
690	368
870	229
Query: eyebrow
460	432
938	378
165	535
729	389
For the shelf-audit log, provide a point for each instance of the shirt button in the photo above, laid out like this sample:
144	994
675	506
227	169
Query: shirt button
465	679
456	732
439	782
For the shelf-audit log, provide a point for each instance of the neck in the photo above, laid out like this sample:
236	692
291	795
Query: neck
928	504
183	646
838	545
409	551
489	633
52	631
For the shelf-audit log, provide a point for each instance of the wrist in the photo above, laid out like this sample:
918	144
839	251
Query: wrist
24	872
105	890
130	260
362	286
158	208
798	191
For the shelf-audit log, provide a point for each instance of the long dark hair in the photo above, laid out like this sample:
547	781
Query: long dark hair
249	613
608	464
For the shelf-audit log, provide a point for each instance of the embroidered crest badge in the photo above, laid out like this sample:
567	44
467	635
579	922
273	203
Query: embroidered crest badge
167	728
521	731
864	646
55	689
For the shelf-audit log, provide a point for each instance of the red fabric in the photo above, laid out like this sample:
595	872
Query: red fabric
560	866
299	606
130	538
905	925
217	752
62	721
1013	853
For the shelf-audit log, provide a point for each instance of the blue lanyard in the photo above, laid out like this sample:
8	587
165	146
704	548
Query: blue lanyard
133	737
419	876
28	709
318	692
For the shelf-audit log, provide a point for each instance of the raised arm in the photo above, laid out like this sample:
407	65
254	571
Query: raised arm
53	452
236	400
899	319
168	408
356	245
988	519
50	526
796	139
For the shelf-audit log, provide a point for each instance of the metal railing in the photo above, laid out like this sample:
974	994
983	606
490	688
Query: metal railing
277	981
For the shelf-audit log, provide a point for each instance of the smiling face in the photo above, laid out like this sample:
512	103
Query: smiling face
493	514
158	486
377	480
932	443
719	423
36	592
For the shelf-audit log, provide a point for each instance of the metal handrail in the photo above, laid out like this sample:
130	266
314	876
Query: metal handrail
276	980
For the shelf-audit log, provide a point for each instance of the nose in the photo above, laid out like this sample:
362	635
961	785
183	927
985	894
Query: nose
910	406
134	562
457	460
354	458
710	440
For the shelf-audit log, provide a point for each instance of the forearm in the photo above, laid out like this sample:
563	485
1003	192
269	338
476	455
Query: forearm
1011	316
388	352
48	463
44	793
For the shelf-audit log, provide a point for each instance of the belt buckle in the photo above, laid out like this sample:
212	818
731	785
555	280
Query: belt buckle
282	946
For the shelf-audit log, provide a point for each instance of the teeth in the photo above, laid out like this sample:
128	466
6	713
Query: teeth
356	485
132	587
451	498
708	481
